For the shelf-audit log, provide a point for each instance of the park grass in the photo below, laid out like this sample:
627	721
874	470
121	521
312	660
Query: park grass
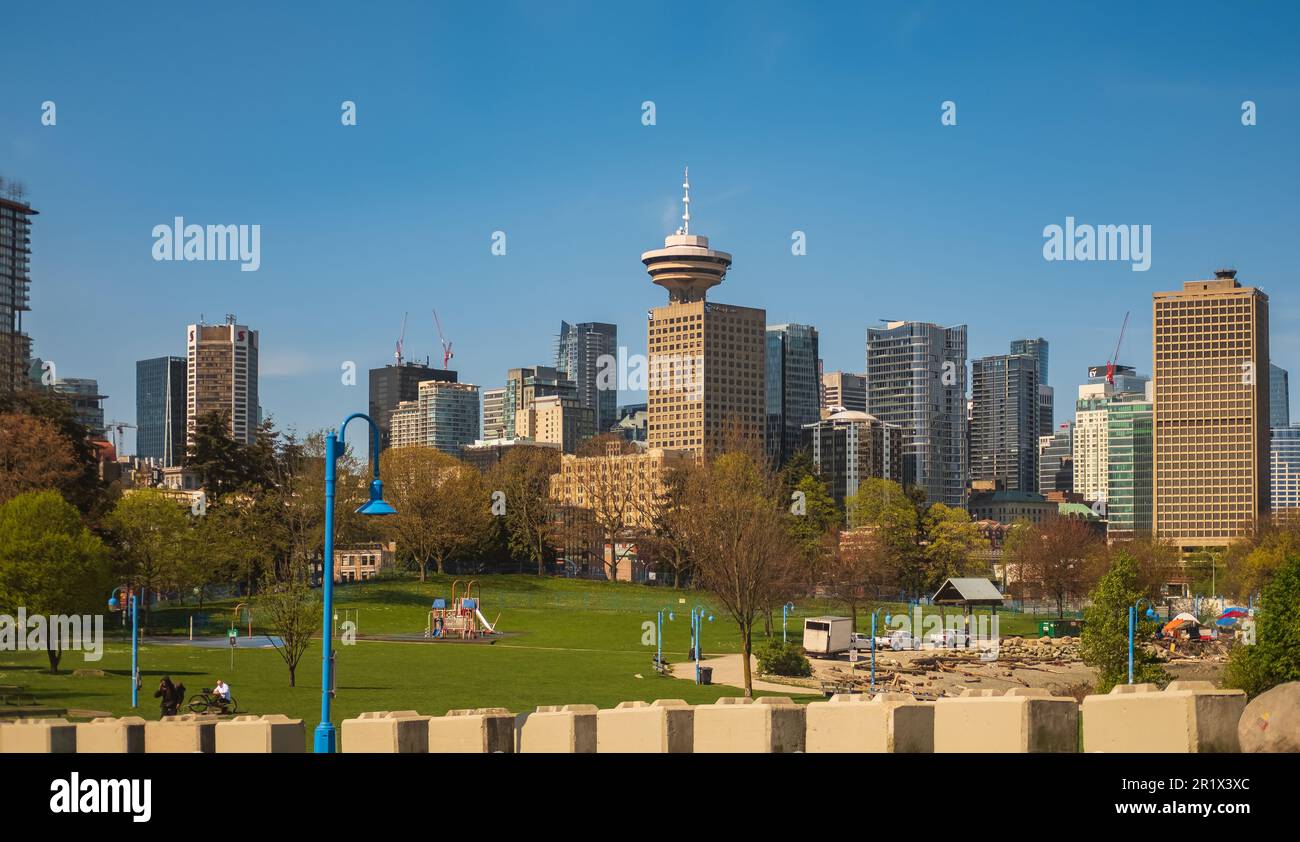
570	642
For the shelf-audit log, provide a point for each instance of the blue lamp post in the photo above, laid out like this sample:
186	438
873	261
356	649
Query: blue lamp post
659	636
113	604
1132	624
785	612
697	625
326	736
874	614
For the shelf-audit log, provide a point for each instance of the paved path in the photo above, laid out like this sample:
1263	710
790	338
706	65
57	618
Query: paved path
729	670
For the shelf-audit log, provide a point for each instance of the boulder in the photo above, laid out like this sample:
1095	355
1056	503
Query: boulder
1271	721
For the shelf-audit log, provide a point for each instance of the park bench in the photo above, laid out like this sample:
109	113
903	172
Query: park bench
15	694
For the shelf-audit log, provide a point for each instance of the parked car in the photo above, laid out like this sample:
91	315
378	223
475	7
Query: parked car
861	641
900	640
949	639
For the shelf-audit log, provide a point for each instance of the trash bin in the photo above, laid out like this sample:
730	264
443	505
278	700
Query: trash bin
706	675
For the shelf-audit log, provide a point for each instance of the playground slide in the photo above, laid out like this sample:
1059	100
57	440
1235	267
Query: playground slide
483	620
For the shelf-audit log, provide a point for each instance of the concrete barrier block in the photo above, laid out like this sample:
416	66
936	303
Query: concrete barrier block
38	736
273	733
665	726
1188	716
184	734
111	735
770	725
1024	719
557	729
477	731
884	723
385	732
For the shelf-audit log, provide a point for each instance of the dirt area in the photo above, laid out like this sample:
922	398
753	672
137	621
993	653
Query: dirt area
930	673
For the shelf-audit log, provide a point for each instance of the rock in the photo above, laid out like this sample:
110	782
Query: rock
1271	722
1045	639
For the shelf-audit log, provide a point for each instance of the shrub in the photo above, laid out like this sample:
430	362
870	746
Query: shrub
1104	642
783	659
1275	656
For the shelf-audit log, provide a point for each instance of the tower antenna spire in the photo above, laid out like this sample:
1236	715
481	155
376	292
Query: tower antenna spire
686	202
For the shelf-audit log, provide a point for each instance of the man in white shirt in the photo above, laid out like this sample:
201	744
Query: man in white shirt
222	690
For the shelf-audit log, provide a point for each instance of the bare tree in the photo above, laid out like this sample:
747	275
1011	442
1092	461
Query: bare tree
524	476
293	611
735	532
859	568
1059	559
443	505
611	491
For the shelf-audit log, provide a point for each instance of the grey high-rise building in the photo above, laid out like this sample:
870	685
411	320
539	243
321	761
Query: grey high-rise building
850	447
1279	397
87	403
1037	348
160	410
578	356
15	254
1005	421
916	380
393	384
1056	460
793	387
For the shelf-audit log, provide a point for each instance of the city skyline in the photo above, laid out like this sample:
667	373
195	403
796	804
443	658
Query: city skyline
904	218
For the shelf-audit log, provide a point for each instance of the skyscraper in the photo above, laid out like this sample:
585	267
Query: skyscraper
844	390
160	405
577	357
1129	468
15	251
707	384
393	384
524	386
444	415
1005	422
1037	348
494	407
793	391
87	407
1056	460
849	447
1284	475
221	377
1279	396
1211	410
1092	466
916	380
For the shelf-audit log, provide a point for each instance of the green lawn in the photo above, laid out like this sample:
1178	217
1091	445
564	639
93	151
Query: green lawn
572	642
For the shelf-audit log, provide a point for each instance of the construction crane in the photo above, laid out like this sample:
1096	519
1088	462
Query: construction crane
117	427
1114	358
446	346
401	337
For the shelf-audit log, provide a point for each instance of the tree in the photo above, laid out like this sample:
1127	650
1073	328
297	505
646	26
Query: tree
1252	561
735	534
152	533
811	517
608	489
898	515
952	541
443	505
1059	559
293	611
1274	658
86	491
524	476
667	523
859	569
1104	640
34	455
50	563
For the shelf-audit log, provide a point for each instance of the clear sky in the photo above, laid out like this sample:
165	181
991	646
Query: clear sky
527	118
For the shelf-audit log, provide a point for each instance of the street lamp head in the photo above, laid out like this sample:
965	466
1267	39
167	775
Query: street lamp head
112	603
1151	614
671	616
376	505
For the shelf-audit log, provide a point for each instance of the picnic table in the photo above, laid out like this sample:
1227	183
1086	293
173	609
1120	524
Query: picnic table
15	694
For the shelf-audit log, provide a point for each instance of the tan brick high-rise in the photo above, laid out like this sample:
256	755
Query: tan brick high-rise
706	380
1210	376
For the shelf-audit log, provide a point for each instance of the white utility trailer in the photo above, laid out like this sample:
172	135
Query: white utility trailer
827	635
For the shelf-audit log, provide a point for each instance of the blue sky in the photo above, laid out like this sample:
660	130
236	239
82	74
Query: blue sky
526	118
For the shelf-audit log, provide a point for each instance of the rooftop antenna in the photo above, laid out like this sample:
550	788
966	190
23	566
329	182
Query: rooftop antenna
686	202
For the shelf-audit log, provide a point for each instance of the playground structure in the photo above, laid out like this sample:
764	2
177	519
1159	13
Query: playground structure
463	618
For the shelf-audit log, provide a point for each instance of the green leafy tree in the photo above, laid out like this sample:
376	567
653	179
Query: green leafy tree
152	533
1104	641
50	563
292	610
952	545
1274	658
810	519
